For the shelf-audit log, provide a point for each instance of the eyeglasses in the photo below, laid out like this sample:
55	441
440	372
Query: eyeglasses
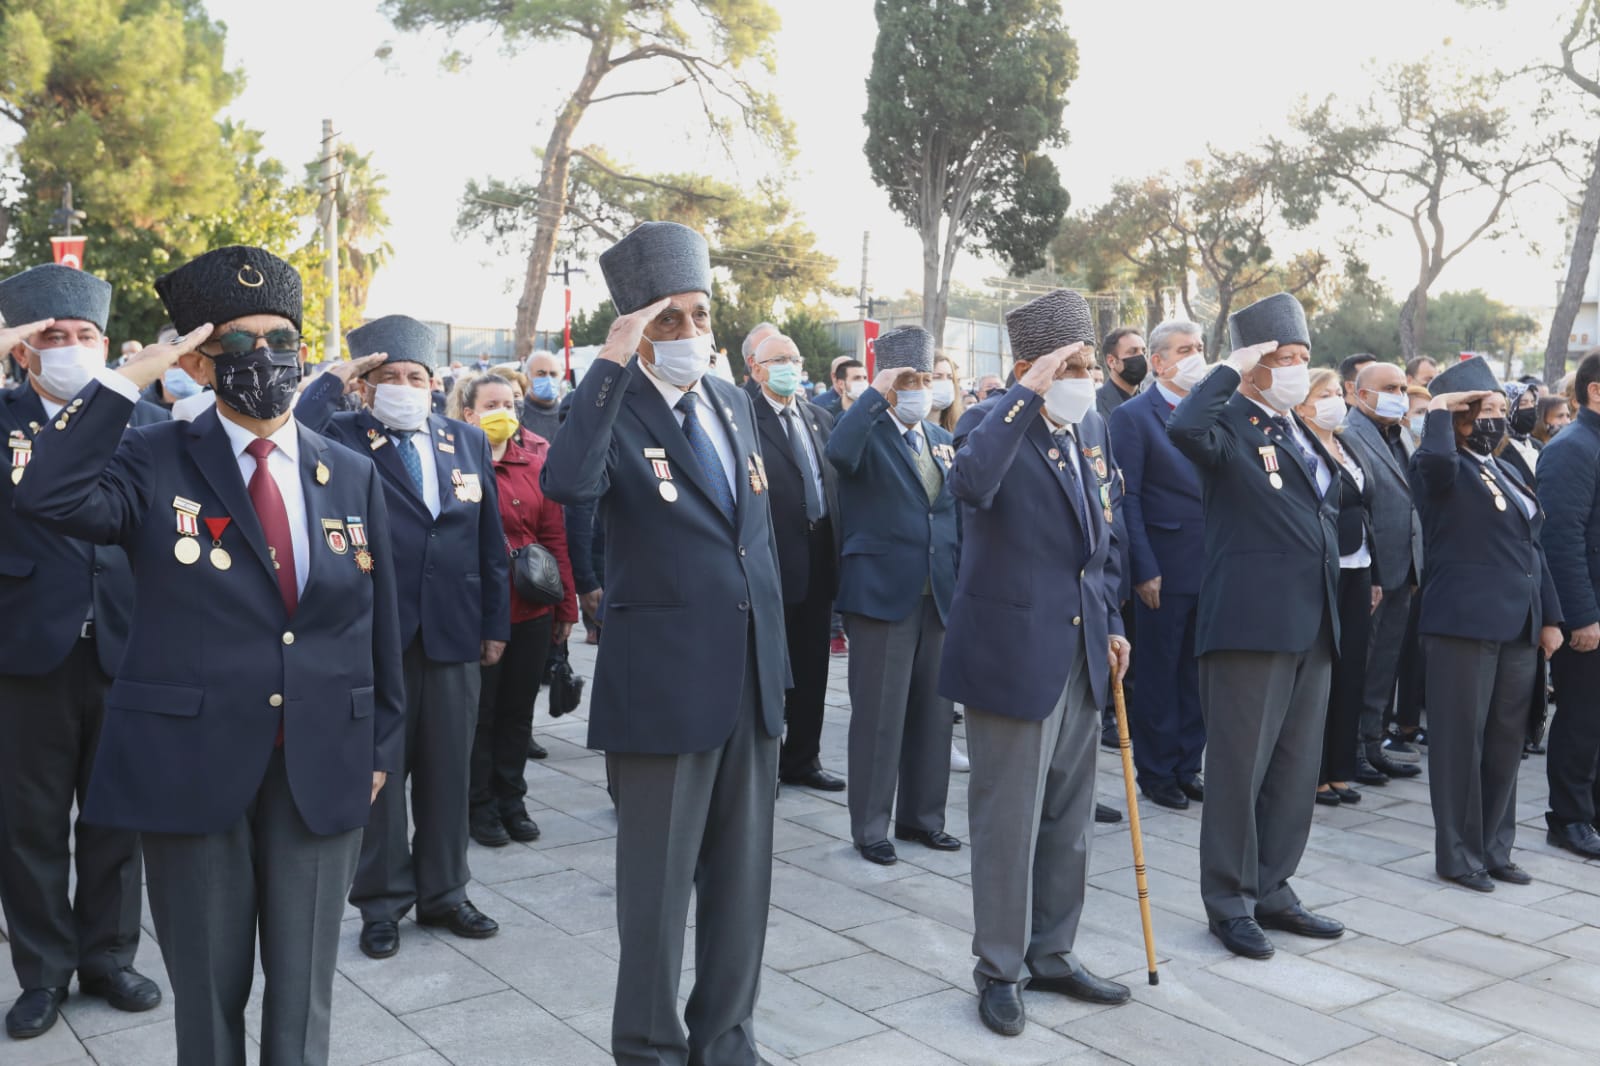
240	342
782	360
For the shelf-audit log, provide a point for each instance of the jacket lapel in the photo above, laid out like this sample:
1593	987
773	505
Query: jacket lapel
1256	418
387	458
443	462
212	452
1044	443
662	424
1372	434
315	494
1506	472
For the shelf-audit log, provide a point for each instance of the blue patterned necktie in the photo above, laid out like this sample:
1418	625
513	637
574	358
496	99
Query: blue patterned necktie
408	456
706	454
1069	454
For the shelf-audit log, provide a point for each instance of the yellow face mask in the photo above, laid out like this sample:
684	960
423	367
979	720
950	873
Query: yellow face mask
498	425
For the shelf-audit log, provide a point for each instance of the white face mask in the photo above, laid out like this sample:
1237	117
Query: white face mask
1328	414
1069	399
1289	386
401	407
191	407
944	394
66	370
856	389
682	363
911	405
1188	373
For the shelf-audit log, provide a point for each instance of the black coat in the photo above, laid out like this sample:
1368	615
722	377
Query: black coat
788	496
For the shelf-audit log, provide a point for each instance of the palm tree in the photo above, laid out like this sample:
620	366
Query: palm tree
363	221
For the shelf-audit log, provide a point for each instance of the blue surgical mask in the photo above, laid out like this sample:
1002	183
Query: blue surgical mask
912	405
1391	406
682	363
783	379
179	383
1417	422
545	389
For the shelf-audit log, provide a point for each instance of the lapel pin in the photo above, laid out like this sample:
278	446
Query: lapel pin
322	474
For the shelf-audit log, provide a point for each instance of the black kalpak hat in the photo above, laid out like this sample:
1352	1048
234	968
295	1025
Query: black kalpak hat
230	283
55	291
1278	317
907	347
1053	321
401	337
657	259
1469	375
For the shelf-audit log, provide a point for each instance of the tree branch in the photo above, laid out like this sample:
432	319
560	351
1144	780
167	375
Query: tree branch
639	92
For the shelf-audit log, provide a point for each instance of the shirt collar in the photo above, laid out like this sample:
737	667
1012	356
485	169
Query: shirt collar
671	393
1172	398
778	405
1270	412
286	437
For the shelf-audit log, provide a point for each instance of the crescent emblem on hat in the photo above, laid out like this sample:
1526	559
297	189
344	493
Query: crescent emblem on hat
250	277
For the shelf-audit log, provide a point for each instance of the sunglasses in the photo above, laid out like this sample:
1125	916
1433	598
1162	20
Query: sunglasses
240	342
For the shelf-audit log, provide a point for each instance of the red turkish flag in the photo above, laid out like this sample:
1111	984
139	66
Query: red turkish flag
869	329
69	251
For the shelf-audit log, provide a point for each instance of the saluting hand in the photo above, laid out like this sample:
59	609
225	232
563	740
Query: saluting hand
1045	369
353	371
11	336
146	368
887	381
622	341
1245	359
1456	401
1119	655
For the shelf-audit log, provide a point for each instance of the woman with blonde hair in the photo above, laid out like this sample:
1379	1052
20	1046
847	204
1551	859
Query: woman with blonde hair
948	404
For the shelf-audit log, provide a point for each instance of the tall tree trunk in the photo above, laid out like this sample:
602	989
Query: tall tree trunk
1559	344
1413	323
552	194
1219	342
932	319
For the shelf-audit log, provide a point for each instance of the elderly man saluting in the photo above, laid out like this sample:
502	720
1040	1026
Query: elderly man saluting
688	695
1034	636
1267	629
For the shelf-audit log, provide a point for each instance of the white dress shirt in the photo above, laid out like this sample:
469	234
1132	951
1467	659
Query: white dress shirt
787	420
422	441
1362	556
706	412
283	463
1324	475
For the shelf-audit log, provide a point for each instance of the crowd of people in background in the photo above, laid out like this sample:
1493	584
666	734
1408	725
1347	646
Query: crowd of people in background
288	623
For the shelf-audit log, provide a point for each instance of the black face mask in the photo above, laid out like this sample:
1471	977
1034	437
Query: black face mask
1522	420
1487	433
258	384
1134	368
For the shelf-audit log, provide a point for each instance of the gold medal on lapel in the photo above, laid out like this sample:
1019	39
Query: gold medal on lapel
322	474
1500	503
221	559
1275	480
186	551
669	491
363	560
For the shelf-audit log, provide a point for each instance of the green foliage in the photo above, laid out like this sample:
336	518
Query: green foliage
810	333
363	221
118	97
591	327
1472	321
1359	314
962	99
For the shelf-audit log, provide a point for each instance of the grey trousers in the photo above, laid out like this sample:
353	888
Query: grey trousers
702	823
210	896
49	729
428	871
1384	645
1264	724
1031	810
1477	717
900	726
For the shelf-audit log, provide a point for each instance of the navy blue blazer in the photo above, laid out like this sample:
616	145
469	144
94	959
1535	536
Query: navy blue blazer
893	540
1569	490
687	592
453	570
1164	512
1485	577
1032	573
49	582
1271	555
214	663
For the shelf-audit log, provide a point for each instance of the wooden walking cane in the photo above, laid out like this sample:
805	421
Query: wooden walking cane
1133	827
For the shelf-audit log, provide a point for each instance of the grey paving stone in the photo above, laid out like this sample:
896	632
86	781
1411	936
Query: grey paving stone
144	1045
1382	1052
420	1058
570	900
60	1046
923	943
1579	906
561	973
1492	915
1543	1013
90	1016
1384	920
795	1019
1492	954
1574	978
1404	968
794	943
1304	981
503	1029
839	861
826	901
1141	1035
1356	846
514	861
888	1048
929	894
1525	1050
949	1021
868	981
1431	1027
789	836
1581	943
427	972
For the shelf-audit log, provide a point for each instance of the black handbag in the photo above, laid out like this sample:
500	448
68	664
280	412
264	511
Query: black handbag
535	575
566	687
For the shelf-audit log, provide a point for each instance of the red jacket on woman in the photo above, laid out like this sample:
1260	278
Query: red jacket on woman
529	518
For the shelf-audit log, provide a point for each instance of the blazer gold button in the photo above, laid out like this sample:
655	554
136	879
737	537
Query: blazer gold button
1077	620
274	700
288	638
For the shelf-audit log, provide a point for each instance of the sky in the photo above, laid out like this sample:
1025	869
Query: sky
1158	80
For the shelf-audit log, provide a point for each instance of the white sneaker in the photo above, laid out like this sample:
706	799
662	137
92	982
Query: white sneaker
958	761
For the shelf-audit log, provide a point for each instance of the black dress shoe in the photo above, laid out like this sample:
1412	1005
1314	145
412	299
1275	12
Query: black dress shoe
464	920
937	839
1166	794
37	1009
1346	795
1102	813
1368	774
487	829
380	940
1392	767
1532	746
1327	798
1301	922
537	750
1000	1007
879	851
1511	874
1477	880
125	989
816	778
521	828
1242	936
1081	984
1579	838
1193	787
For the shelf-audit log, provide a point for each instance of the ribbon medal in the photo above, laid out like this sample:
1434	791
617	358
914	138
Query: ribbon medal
376	440
1269	463
1098	460
219	555
1105	501
21	452
758	474
187	548
358	530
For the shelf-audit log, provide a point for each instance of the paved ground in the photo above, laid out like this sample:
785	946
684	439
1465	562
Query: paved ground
870	966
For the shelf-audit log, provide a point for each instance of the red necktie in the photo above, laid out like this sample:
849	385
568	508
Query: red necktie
268	502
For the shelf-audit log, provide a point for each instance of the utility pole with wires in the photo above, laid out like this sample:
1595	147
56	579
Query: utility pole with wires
865	304
328	218
565	274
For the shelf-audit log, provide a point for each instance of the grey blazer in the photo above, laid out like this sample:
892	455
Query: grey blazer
1396	529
